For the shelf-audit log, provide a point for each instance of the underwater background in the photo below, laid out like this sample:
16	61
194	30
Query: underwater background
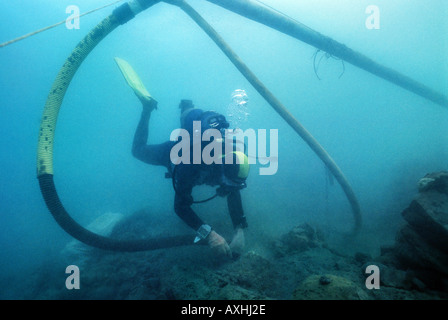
384	138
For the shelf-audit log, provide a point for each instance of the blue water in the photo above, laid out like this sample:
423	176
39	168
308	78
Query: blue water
382	137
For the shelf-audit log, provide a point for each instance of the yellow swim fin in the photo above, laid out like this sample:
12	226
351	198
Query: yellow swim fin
133	80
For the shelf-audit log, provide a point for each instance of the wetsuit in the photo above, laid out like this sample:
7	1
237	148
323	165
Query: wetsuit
187	176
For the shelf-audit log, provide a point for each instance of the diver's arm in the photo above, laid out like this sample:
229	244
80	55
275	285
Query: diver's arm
238	219
182	207
184	176
236	210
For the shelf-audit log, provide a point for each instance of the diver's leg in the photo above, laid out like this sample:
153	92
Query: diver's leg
157	154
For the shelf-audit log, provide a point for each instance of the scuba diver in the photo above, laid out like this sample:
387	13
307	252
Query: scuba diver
229	177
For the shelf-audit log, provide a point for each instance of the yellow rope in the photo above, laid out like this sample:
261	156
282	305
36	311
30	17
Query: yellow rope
54	25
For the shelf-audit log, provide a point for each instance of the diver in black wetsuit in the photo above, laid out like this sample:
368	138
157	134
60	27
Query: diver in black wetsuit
229	177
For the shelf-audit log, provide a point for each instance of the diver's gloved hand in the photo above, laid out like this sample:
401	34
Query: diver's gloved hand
238	241
218	244
149	104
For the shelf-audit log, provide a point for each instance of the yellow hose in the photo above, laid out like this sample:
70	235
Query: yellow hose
59	88
46	137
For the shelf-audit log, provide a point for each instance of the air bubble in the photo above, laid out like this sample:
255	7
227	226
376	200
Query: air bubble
237	110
